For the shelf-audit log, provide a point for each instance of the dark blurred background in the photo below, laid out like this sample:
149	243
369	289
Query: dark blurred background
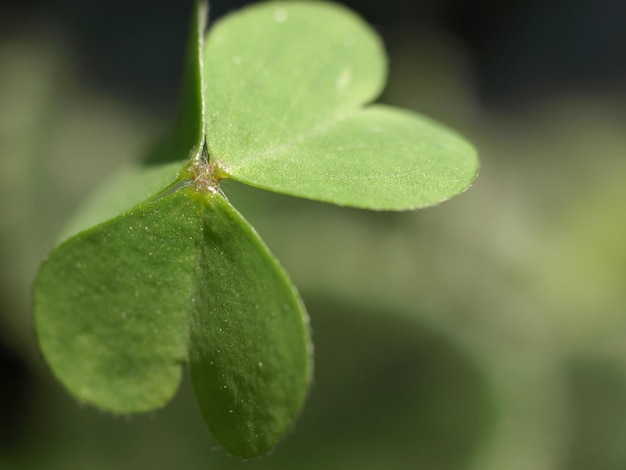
519	50
486	333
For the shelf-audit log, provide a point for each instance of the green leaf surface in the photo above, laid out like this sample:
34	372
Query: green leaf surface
250	351
120	307
285	88
278	70
111	306
380	158
131	186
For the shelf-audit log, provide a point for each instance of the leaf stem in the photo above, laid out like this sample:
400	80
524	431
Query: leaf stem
204	173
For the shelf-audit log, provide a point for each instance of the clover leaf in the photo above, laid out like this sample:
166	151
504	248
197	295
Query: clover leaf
159	269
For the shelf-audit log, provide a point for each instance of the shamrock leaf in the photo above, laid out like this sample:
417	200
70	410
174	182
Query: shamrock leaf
159	270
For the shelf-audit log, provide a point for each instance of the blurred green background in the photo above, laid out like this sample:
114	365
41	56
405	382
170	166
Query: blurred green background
487	333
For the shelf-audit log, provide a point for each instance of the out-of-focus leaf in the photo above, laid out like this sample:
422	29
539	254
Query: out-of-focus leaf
135	184
187	139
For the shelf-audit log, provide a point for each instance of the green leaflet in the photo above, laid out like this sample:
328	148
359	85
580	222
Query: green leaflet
250	349
120	308
285	88
111	306
278	70
374	159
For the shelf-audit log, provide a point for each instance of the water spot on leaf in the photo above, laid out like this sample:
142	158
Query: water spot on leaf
344	78
349	40
280	15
